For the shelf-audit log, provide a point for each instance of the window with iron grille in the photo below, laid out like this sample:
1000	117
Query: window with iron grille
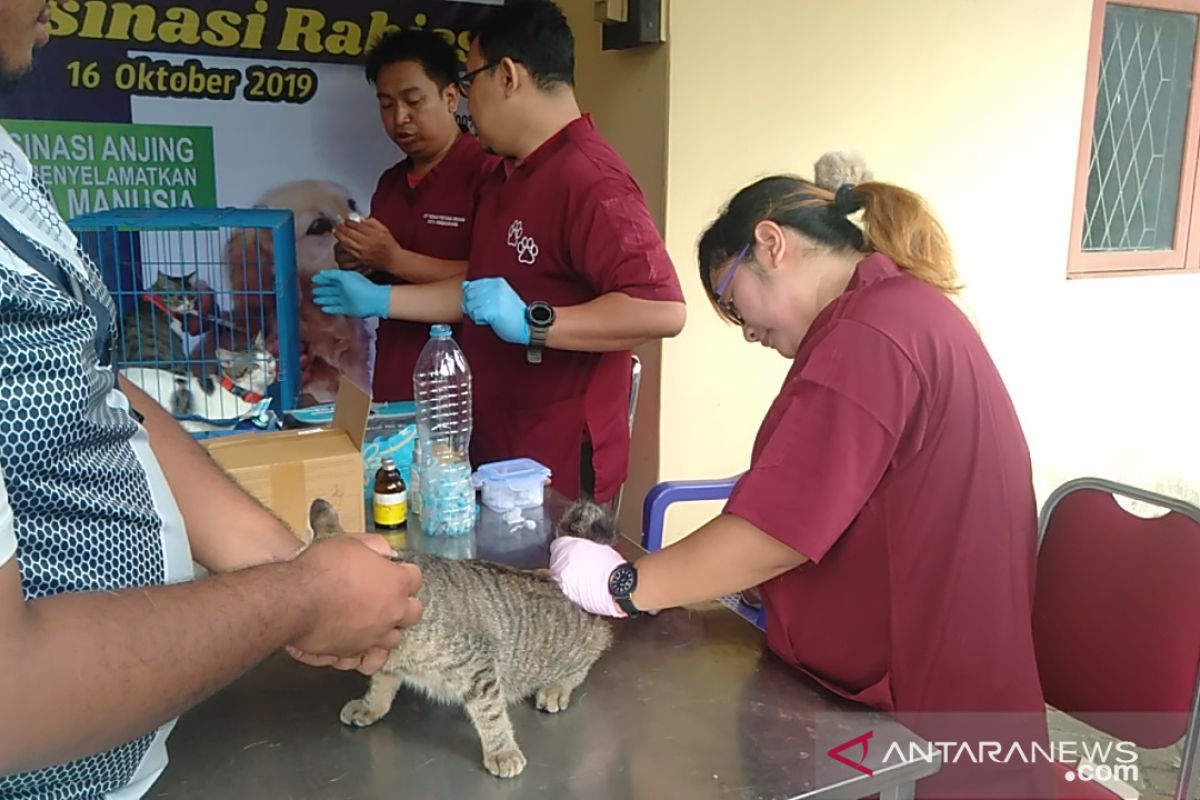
1136	208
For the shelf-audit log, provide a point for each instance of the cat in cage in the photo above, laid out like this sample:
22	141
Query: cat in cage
153	331
224	376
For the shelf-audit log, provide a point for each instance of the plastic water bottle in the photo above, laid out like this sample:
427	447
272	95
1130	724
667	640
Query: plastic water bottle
442	390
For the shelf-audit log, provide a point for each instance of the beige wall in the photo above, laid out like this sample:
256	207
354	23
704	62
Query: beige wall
977	105
626	92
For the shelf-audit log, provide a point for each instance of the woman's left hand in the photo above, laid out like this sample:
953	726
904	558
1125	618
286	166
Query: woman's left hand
581	568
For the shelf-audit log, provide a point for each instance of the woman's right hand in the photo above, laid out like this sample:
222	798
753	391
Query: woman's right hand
581	569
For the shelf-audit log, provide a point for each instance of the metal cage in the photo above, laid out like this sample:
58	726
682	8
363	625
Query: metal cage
208	326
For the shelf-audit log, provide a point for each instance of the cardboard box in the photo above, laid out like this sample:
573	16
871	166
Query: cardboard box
287	470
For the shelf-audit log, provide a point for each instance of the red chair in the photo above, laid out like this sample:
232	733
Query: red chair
1116	619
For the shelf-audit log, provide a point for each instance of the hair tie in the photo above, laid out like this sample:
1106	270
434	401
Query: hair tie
858	239
845	201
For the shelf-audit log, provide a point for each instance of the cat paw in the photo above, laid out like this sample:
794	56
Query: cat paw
359	714
553	699
505	764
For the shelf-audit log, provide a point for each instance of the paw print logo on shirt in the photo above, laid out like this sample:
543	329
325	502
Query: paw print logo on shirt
514	232
526	246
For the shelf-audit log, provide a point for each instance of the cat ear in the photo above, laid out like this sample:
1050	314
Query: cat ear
190	279
258	343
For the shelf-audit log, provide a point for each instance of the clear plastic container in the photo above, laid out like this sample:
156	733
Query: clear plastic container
414	478
442	393
507	485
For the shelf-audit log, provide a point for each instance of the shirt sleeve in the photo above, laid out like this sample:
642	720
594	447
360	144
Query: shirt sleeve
837	427
8	537
381	188
615	244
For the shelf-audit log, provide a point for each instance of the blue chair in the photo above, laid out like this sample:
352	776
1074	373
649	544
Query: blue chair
654	514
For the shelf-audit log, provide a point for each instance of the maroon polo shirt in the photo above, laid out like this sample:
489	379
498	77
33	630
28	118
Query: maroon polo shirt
566	225
432	217
894	461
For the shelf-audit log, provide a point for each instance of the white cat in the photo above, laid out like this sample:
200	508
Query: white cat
242	381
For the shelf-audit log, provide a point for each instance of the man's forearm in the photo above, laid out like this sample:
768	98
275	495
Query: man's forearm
227	528
418	268
614	321
432	303
89	671
727	555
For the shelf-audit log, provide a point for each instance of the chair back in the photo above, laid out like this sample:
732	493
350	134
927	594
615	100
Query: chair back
1116	614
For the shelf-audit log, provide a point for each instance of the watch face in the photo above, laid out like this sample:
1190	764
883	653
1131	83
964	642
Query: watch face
622	581
541	314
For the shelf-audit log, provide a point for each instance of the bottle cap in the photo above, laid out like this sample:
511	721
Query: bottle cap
388	464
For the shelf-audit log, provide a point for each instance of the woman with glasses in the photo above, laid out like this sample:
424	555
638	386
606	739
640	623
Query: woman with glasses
888	515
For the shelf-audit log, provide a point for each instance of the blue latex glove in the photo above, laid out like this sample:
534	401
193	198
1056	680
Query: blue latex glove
338	291
492	302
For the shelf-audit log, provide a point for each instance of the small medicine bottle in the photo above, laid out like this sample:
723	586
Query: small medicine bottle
390	506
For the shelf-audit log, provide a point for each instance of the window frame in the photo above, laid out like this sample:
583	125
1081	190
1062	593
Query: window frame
1184	255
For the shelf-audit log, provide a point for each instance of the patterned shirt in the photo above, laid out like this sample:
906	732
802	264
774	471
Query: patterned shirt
84	505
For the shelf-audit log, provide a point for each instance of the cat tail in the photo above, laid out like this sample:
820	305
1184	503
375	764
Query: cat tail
181	400
323	519
587	520
205	379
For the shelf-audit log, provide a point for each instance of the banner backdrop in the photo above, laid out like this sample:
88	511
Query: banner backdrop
211	103
206	102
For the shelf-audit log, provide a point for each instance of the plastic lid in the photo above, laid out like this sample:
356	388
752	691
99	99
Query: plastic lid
516	469
439	332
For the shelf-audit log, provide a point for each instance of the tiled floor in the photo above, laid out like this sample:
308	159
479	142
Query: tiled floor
1158	769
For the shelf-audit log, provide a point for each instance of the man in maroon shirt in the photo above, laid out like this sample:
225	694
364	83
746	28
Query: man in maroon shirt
888	513
422	211
566	274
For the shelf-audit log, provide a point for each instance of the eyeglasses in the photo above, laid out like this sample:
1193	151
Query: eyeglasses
726	305
465	81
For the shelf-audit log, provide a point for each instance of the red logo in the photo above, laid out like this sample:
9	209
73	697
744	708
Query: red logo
836	753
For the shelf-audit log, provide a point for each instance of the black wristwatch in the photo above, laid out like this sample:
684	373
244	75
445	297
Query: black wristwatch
621	583
540	317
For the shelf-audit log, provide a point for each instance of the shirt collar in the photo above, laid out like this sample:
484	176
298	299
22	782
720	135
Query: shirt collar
456	150
873	268
578	128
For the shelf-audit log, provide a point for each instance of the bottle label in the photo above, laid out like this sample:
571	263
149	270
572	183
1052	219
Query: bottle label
390	510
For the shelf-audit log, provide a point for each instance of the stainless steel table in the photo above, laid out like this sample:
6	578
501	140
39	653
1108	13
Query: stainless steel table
687	704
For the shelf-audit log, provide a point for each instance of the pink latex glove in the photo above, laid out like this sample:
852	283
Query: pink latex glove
581	568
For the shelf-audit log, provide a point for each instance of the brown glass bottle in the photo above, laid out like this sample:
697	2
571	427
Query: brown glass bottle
390	505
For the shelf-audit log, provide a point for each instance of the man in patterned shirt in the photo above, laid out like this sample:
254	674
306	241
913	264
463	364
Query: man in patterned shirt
104	636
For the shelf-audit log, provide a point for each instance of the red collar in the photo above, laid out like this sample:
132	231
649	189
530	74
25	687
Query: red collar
237	391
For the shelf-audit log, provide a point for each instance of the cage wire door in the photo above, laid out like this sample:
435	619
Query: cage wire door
209	318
